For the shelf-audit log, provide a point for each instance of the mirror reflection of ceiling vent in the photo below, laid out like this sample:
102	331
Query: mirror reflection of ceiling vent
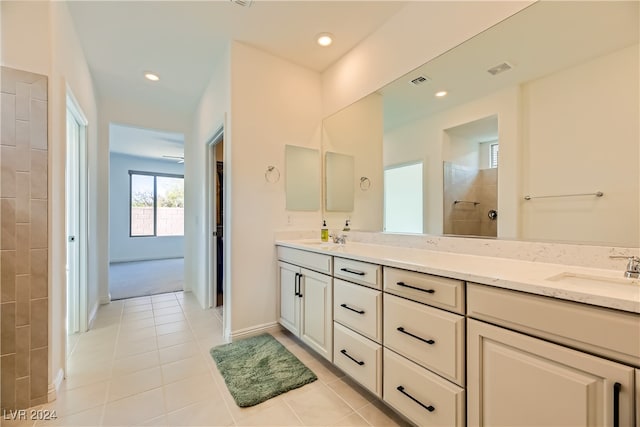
500	68
419	80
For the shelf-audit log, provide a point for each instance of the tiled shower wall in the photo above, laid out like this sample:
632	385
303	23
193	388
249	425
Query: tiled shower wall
23	239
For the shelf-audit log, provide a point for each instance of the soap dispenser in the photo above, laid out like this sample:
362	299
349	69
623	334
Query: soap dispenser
346	226
324	232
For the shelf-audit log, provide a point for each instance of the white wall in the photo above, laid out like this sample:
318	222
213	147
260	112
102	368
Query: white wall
273	103
425	139
122	247
130	114
580	135
416	34
212	114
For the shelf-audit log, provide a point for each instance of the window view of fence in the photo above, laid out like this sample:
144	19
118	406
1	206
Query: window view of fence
157	204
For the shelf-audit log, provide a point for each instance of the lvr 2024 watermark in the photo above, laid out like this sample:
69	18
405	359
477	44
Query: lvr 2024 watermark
29	415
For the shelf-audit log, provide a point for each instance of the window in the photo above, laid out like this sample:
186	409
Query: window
493	155
403	199
157	204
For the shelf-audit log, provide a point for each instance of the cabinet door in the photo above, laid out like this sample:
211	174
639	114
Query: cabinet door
517	380
289	301
317	320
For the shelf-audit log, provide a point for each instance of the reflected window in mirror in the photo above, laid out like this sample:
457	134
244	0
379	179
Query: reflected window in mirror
403	198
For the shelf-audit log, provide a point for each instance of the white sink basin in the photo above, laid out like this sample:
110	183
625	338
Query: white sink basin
590	280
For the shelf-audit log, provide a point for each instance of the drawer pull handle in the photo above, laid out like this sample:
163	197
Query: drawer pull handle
401	329
352	309
429	291
428	408
347	270
616	404
359	362
297	285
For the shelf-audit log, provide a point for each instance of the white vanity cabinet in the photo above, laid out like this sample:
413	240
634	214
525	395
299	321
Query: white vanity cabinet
306	299
518	379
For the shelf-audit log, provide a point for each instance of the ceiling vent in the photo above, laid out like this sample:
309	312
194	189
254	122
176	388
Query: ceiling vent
419	80
243	3
179	159
500	68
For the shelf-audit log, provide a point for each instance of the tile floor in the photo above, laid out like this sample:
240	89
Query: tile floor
146	363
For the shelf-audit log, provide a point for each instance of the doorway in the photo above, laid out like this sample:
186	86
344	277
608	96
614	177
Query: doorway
76	220
215	220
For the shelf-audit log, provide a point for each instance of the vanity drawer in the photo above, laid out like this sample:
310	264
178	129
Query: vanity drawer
311	260
359	308
404	381
359	272
359	357
430	337
426	288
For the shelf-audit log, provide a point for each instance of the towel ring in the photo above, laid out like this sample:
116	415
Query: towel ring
365	183
272	174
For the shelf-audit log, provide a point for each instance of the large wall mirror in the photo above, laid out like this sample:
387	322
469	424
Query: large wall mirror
513	134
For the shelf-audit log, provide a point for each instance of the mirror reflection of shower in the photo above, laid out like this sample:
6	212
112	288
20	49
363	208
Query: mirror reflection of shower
470	163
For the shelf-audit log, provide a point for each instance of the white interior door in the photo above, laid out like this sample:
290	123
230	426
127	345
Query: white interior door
73	224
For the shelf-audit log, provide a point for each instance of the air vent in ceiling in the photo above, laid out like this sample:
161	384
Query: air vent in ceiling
243	3
500	68
419	80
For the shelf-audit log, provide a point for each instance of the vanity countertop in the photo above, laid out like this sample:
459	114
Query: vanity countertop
600	287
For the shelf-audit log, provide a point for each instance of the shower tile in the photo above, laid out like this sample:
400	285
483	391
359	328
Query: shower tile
23	101
38	224
8	382
23	191
38	174
23	338
23	300
8	79
8	275
23	162
23	255
39	287
38	124
22	392
8	219
8	166
39	373
8	119
39	310
8	328
39	89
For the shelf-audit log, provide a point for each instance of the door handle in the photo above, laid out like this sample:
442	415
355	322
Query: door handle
72	239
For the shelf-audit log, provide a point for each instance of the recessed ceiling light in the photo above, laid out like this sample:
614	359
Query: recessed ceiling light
325	39
151	76
441	93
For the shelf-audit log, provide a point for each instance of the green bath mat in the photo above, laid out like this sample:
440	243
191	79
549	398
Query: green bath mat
259	368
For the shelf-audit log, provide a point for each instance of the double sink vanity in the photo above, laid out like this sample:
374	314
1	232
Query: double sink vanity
451	339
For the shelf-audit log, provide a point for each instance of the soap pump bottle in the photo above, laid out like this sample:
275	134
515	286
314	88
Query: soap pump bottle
324	232
346	226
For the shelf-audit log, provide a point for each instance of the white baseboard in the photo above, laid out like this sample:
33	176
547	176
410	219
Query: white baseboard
52	392
93	314
105	299
255	330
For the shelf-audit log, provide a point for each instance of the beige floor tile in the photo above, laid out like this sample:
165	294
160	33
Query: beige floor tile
130	317
352	393
131	348
325	372
277	413
169	318
161	421
137	308
138	323
315	404
80	399
184	368
377	414
352	420
175	338
170	303
137	382
89	418
179	352
188	391
174	309
137	301
169	296
207	413
169	328
136	334
137	362
135	409
74	381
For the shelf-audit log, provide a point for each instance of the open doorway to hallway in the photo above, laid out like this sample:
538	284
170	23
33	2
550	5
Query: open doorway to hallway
146	211
215	215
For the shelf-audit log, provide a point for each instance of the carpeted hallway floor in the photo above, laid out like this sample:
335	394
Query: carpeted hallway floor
141	278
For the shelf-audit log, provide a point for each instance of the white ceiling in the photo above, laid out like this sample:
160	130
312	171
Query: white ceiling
145	142
182	40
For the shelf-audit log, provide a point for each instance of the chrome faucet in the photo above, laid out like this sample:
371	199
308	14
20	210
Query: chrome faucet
633	266
340	239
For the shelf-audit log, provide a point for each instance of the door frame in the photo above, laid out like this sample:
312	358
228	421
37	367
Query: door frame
211	226
73	108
